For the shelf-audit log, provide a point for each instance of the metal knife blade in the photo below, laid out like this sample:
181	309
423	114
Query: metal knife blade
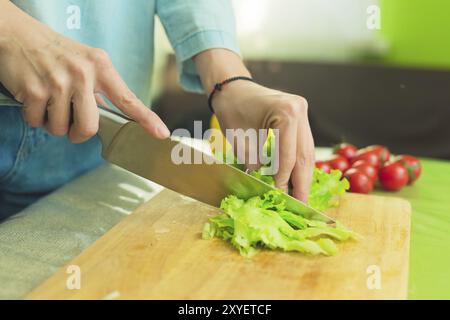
127	145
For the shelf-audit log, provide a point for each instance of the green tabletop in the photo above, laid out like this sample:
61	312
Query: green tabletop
429	276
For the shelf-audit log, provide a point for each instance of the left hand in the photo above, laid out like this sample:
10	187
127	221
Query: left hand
244	105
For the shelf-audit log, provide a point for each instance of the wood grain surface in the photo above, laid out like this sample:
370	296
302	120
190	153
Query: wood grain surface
157	253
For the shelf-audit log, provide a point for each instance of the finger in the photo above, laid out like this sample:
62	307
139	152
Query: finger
58	112
112	85
303	171
255	152
35	109
285	155
34	113
85	116
245	146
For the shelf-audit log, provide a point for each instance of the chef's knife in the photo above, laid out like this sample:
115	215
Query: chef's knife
129	146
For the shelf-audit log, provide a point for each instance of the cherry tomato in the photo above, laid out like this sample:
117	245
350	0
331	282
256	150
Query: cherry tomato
367	169
324	165
393	176
359	182
369	157
381	151
412	165
346	150
339	163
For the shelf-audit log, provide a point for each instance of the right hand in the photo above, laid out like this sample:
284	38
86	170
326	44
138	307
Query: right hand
60	81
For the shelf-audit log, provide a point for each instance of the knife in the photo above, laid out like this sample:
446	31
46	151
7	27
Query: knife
127	145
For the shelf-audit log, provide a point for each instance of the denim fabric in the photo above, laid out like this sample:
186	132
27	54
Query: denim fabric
33	163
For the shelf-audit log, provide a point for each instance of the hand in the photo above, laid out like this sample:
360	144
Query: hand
243	104
58	79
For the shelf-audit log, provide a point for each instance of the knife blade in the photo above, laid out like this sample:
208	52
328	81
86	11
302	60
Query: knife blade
127	145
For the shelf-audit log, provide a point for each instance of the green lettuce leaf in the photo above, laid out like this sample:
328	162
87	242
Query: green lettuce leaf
264	222
264	178
326	189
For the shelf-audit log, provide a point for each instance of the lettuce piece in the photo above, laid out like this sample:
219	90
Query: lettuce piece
264	222
328	246
326	189
264	178
294	220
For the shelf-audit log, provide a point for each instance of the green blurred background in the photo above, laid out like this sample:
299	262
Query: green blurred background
417	32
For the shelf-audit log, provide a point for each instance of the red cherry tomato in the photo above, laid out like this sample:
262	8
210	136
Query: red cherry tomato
381	151
369	157
346	150
393	176
412	165
323	165
359	182
339	163
367	169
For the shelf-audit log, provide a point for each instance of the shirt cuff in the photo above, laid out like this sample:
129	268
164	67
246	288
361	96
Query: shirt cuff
194	44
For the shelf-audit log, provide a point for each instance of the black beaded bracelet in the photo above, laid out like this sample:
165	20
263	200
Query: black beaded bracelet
218	87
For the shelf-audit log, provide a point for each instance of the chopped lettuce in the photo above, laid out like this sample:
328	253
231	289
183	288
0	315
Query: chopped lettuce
264	222
264	178
326	189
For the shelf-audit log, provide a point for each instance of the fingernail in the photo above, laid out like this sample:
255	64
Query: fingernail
163	132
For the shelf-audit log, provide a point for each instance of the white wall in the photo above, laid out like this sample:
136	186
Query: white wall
299	29
331	30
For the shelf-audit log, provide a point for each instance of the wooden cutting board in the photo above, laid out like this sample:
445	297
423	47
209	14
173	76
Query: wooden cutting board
157	253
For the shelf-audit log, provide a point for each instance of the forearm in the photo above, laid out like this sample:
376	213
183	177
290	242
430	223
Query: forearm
8	13
6	9
216	65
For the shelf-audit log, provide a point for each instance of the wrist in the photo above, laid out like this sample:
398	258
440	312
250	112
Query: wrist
235	93
218	87
8	14
221	75
216	65
14	22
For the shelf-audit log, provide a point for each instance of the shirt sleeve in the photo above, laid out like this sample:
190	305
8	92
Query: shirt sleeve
193	26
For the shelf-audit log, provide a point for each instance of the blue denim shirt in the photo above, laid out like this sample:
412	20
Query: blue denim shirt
125	29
